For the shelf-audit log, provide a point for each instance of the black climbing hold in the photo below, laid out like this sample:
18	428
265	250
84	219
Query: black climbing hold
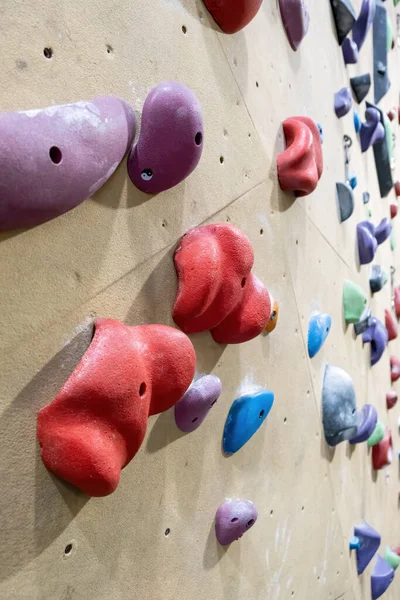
344	16
360	86
380	35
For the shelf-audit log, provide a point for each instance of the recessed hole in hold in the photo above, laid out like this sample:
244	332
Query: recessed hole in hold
221	160
198	138
250	523
55	155
262	413
195	419
261	231
234	520
243	283
142	389
68	549
48	52
167	532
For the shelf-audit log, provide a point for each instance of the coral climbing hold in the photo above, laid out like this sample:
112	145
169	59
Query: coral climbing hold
53	158
360	86
381	578
273	321
344	16
96	423
377	279
217	289
233	519
339	416
372	131
391	399
370	541
364	22
393	210
233	15
245	418
391	325
376	334
343	102
318	330
196	403
367	243
382	453
354	301
377	435
394	368
296	20
171	138
367	418
300	166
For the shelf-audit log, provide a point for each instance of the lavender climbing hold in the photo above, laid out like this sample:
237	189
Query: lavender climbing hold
339	416
382	231
195	404
380	40
369	543
372	131
343	102
171	139
376	334
245	417
233	519
52	159
318	330
377	279
360	85
296	20
364	22
357	121
350	52
367	243
367	420
381	578
345	199
344	16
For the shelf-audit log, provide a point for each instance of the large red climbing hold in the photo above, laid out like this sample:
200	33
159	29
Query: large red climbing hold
96	423
233	15
391	325
300	166
217	290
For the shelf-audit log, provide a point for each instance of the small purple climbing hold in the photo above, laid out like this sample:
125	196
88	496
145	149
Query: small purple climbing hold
381	578
367	418
367	243
369	543
195	404
171	139
350	52
383	230
343	102
372	131
296	20
377	336
364	22
233	519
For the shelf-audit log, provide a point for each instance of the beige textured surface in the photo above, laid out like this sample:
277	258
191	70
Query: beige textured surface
112	256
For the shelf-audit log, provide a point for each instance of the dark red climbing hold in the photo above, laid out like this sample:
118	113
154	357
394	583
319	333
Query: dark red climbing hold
391	325
233	15
382	453
393	210
391	399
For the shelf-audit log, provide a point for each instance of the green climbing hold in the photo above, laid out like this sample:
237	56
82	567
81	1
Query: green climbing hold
389	34
370	213
354	301
391	557
393	240
377	435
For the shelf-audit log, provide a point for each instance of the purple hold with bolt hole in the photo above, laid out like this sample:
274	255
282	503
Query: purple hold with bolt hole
195	404
367	242
233	519
377	336
343	102
383	230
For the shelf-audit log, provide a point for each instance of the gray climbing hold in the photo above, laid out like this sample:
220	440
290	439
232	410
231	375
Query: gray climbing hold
339	413
380	38
345	198
361	85
344	16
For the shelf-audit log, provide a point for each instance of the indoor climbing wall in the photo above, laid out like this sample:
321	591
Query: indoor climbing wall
153	536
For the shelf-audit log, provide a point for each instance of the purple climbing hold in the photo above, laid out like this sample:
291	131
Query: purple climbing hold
195	404
368	418
364	22
367	243
171	139
383	230
381	578
369	543
376	334
350	52
343	102
53	158
372	131
296	20
233	519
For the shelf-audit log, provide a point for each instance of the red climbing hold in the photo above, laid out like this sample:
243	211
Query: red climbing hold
394	368
396	294
300	166
391	325
382	453
397	188
391	399
393	210
96	423
233	15
217	290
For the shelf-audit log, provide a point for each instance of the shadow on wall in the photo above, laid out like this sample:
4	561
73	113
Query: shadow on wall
28	488
280	201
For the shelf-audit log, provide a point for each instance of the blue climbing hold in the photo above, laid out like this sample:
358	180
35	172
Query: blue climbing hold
354	543
321	132
245	417
357	121
353	181
318	330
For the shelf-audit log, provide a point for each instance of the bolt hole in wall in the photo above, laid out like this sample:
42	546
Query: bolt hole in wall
68	549
221	160
167	532
48	52
261	231
257	84
184	29
55	155
109	49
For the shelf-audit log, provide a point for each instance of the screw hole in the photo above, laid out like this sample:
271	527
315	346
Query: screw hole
250	523
142	389
68	549
257	84
55	155
271	513
243	283
164	224
285	420
184	29
273	317
221	160
234	520
198	138
195	419
167	532
48	52
110	49
262	413
297	242
261	231
302	508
